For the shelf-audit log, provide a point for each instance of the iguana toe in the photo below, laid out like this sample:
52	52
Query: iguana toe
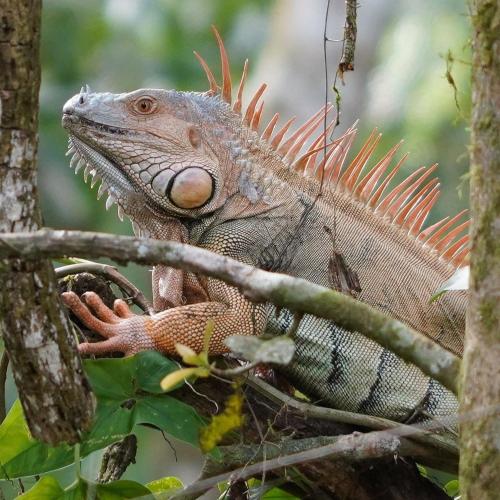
123	330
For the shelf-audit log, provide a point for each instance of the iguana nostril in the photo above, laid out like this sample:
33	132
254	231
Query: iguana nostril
81	100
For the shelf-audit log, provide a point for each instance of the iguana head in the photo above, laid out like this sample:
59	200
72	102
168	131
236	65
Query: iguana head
168	150
164	153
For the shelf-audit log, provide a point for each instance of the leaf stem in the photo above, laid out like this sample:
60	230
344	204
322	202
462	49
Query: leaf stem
78	464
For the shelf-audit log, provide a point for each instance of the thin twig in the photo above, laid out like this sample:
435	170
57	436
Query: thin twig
243	455
350	32
234	372
346	62
111	274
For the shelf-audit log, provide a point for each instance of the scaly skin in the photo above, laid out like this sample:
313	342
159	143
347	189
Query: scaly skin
183	166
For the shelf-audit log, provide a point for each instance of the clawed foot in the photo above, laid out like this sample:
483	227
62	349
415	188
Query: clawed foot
123	330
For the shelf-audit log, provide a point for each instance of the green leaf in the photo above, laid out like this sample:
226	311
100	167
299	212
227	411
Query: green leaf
278	350
278	494
128	394
422	470
172	380
14	435
268	491
47	488
188	355
459	281
121	489
166	486
452	488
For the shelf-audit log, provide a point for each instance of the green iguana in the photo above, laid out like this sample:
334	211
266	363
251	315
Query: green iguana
193	167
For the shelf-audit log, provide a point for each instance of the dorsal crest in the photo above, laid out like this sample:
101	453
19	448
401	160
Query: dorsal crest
406	205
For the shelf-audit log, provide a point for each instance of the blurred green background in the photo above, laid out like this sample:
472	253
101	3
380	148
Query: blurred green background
399	84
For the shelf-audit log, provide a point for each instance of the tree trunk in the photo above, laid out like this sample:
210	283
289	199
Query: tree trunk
38	337
480	449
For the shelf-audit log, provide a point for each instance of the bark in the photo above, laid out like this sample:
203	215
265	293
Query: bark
38	337
282	290
480	444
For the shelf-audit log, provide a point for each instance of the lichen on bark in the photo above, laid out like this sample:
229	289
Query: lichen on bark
54	393
480	392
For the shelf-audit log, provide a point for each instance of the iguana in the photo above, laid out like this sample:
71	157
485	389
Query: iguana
193	167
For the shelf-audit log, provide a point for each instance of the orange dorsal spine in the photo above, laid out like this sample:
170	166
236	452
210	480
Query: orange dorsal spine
406	205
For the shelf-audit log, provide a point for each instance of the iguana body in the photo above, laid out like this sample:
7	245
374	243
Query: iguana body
192	167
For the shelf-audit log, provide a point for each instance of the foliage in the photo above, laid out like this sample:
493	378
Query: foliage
269	490
229	419
128	393
448	482
48	488
277	350
172	380
190	357
164	486
452	488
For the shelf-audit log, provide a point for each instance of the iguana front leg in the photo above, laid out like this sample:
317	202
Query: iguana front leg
174	287
168	282
129	333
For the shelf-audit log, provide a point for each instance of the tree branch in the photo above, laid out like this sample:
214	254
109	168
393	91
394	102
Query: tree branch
353	447
480	385
111	274
282	290
56	398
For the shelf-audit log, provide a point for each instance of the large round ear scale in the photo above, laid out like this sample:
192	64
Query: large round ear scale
192	187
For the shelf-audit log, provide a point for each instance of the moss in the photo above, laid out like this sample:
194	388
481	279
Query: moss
485	121
488	310
231	418
485	22
479	461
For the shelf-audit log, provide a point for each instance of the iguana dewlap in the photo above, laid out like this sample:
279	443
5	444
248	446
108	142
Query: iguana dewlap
194	167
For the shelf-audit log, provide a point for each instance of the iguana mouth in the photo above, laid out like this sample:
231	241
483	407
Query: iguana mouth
100	168
72	118
119	188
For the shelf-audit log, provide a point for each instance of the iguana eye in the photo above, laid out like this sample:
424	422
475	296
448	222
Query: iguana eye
145	105
192	187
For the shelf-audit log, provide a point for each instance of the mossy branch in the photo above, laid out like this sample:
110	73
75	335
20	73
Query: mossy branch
282	290
351	447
